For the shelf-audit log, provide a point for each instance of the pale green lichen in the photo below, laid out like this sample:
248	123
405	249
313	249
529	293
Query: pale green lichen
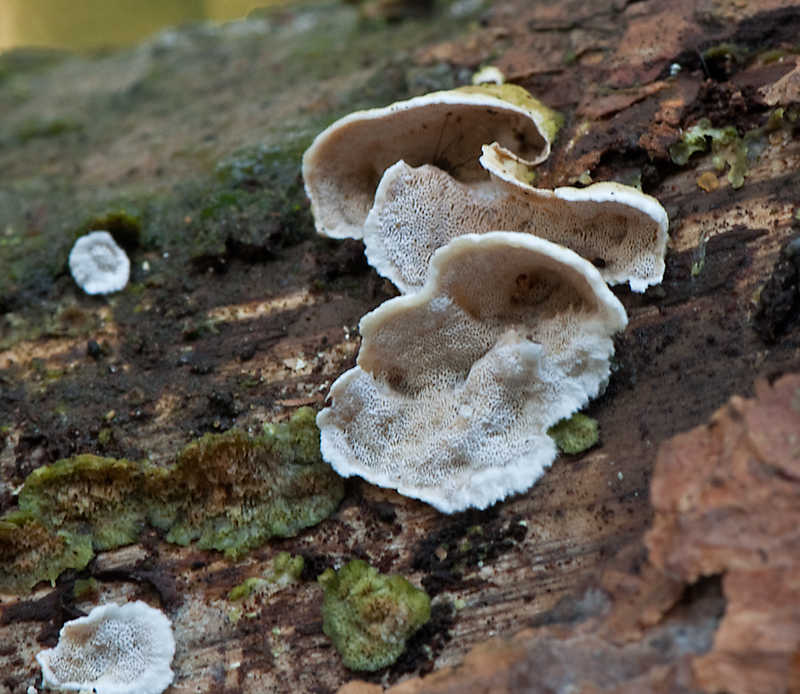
369	616
726	148
249	489
103	499
85	587
575	434
30	553
736	52
286	568
246	589
230	492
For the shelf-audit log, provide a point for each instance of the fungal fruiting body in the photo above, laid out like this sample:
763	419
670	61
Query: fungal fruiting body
457	385
419	209
98	265
345	162
116	649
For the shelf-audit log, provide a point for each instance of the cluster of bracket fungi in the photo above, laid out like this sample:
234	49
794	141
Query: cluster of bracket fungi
505	322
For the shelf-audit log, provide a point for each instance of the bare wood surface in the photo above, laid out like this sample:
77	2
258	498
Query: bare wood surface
689	346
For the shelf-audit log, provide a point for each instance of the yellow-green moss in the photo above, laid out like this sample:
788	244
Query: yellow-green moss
230	492
575	434
369	616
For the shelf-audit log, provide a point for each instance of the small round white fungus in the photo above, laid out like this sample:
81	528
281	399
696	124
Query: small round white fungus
488	75
116	649
98	265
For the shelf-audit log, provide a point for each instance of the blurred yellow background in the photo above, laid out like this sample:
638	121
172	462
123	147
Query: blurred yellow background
92	24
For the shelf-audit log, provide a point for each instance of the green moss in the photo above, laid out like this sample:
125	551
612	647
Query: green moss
369	616
51	127
193	330
575	434
126	228
70	320
726	148
229	492
28	60
234	614
45	189
285	568
259	207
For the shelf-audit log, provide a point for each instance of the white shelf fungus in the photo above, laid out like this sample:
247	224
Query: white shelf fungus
98	265
457	384
417	210
114	650
345	162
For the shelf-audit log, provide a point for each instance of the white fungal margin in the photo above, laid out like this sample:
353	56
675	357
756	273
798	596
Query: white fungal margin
98	265
115	649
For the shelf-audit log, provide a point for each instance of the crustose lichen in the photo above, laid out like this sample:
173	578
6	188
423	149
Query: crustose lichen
369	616
229	492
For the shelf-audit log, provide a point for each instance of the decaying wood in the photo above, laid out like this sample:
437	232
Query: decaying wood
689	347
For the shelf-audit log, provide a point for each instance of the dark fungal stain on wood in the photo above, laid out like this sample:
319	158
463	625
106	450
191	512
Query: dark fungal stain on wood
779	301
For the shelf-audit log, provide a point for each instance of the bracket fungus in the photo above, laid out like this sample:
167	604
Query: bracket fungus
345	162
98	265
417	210
457	385
116	649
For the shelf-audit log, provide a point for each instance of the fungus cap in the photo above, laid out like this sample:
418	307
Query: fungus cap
114	650
457	385
98	265
417	210
345	162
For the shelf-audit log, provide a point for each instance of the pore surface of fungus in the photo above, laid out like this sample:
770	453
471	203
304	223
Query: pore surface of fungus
369	616
417	210
98	265
116	649
344	164
457	385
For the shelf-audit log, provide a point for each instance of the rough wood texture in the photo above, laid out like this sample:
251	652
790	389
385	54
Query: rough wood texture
725	500
689	347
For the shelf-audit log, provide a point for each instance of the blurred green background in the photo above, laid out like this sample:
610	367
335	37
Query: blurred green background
86	25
